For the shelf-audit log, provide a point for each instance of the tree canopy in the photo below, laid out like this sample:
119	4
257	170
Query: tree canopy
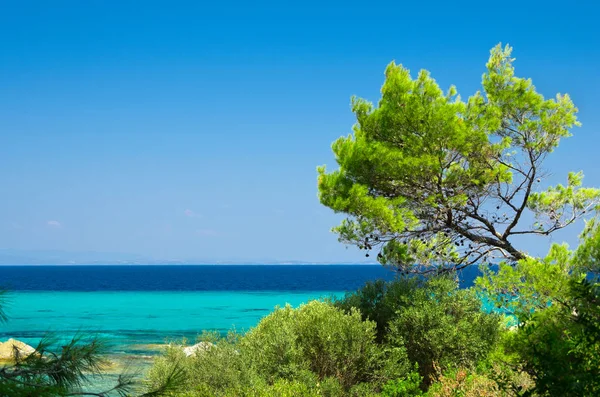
433	182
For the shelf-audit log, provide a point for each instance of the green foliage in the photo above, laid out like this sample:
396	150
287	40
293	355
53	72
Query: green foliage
558	339
435	321
505	368
404	387
466	383
363	390
423	171
273	344
379	301
531	284
287	388
560	346
316	349
324	340
319	349
558	205
536	283
215	371
586	257
444	326
46	373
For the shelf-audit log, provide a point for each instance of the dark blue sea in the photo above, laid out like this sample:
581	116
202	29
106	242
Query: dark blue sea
295	278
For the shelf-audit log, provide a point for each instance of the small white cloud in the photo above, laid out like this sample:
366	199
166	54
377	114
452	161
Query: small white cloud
207	232
191	214
54	224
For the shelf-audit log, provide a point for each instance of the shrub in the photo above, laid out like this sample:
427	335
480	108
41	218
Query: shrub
218	371
274	348
379	301
314	350
404	387
435	321
506	368
465	383
325	340
310	386
363	390
444	326
560	346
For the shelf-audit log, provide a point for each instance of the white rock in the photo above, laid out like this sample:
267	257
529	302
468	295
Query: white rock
198	347
7	349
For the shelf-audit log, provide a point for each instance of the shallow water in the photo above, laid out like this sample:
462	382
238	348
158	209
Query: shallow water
138	324
131	320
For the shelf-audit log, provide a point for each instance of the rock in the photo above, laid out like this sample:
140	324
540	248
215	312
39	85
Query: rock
7	349
198	347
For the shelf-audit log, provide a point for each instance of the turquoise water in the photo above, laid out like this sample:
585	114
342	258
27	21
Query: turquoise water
138	323
130	319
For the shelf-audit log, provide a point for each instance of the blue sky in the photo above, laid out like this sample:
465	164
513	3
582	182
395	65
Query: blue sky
188	130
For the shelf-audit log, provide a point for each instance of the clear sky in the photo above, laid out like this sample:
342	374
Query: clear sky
191	130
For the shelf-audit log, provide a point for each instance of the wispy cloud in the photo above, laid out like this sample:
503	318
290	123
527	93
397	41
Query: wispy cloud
54	224
191	214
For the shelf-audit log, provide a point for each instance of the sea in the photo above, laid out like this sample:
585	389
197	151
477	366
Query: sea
138	309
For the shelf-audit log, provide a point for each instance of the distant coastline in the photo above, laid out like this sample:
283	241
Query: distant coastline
13	257
196	264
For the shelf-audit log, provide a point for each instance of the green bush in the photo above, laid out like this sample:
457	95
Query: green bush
363	390
435	321
379	301
444	326
314	350
404	387
274	348
324	340
465	383
560	346
557	307
324	349
218	371
307	387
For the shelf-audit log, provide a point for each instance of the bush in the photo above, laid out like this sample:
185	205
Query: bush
314	350
273	346
379	301
560	346
404	387
444	326
435	321
324	340
324	349
363	390
464	383
218	371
